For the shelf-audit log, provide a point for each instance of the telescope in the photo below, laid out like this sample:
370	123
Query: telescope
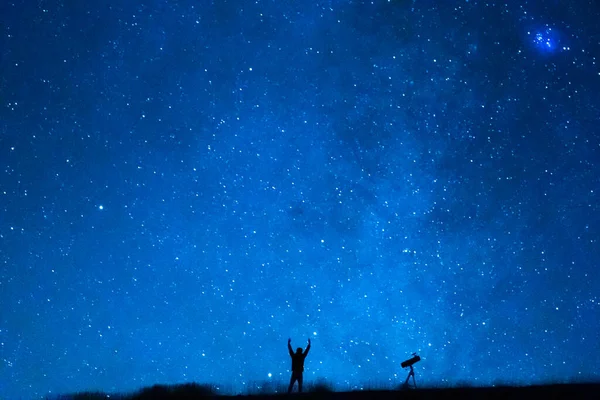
409	363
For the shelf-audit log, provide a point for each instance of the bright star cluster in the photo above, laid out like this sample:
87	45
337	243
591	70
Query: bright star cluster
544	40
185	186
547	41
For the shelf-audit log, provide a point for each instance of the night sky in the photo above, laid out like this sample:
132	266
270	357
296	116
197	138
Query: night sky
184	185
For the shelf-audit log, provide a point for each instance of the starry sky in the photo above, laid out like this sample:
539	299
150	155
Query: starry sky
186	185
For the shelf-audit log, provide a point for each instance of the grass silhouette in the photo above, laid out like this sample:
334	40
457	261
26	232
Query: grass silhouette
321	389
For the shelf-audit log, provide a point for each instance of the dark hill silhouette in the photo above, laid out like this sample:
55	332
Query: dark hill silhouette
321	390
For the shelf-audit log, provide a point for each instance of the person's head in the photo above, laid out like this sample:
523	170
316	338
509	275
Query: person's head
299	350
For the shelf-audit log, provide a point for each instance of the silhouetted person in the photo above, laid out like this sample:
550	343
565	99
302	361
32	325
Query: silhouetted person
297	364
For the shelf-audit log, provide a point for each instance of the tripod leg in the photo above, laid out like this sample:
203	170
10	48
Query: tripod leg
407	379
411	373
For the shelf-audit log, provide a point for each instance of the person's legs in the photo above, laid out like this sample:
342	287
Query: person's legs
300	383
292	380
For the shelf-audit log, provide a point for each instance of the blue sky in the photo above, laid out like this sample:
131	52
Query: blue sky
186	186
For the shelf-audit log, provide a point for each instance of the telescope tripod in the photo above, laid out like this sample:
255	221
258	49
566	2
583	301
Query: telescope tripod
411	373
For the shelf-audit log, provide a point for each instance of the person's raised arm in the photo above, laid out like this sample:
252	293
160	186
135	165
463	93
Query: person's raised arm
307	348
290	347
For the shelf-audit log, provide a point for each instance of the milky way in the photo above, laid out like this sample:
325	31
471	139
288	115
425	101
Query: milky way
185	186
